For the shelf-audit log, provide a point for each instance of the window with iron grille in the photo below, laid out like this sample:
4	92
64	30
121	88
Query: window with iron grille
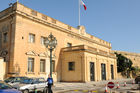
31	38
71	66
30	64
42	40
42	65
5	37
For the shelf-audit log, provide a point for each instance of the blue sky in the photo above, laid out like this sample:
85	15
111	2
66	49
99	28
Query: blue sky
115	21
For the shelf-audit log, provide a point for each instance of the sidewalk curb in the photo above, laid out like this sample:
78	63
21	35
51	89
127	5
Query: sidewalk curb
67	86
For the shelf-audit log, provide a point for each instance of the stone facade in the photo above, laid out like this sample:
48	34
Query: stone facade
135	57
89	55
84	56
3	69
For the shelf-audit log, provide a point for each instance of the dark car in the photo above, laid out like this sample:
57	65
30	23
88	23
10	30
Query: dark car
32	84
14	80
137	79
6	88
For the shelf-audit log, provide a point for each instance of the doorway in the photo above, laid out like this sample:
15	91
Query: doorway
112	72
103	71
92	71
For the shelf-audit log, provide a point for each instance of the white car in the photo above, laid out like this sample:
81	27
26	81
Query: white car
32	85
14	80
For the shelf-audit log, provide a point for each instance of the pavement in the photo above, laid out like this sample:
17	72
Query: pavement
61	87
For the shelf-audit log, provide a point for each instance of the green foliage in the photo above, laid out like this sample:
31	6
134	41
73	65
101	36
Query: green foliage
133	68
135	71
123	63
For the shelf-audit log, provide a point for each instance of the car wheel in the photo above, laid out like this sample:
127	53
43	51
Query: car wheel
25	91
45	90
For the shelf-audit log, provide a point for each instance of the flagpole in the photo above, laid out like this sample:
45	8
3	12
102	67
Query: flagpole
79	12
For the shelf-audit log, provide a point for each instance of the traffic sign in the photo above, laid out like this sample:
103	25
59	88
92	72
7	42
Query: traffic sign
110	84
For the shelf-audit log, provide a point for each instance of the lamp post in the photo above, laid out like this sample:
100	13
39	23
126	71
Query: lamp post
50	43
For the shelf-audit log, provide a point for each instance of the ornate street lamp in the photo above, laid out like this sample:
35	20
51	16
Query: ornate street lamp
50	43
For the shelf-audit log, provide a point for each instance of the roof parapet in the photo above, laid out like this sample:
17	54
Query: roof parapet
30	12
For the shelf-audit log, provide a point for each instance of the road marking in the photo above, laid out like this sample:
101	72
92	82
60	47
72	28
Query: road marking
85	90
94	91
76	90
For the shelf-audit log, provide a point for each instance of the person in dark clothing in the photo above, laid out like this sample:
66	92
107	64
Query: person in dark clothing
50	83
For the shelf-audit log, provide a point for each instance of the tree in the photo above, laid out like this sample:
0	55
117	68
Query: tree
123	63
135	71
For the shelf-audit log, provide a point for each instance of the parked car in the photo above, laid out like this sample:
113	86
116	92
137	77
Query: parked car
6	88
137	79
14	80
32	85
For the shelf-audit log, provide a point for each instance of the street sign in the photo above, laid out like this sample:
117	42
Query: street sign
110	84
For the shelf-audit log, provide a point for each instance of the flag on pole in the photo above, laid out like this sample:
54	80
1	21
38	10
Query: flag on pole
83	5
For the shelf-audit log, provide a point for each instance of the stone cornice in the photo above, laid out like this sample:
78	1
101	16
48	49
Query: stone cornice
88	49
13	10
7	16
32	53
59	28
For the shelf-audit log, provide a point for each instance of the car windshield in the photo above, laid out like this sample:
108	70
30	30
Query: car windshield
15	79
9	79
5	86
22	79
27	81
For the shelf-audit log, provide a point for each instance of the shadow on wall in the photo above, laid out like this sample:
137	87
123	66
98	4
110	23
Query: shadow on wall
59	66
121	75
125	75
17	69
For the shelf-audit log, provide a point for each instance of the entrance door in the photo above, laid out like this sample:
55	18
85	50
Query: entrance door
92	71
103	71
112	72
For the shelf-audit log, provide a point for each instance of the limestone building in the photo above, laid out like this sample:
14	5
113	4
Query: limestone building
78	56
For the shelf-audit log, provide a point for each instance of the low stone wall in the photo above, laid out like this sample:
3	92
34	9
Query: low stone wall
121	77
2	69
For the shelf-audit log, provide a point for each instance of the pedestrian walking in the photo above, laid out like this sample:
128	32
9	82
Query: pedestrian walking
50	83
